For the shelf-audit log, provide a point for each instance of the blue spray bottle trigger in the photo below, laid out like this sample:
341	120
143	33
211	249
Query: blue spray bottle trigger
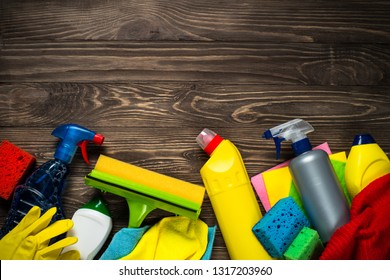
268	135
72	136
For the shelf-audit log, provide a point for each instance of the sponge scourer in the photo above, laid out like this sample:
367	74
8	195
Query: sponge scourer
279	226
306	246
14	165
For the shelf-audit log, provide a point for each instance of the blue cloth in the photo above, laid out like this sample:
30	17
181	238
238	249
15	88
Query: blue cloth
125	240
123	243
210	242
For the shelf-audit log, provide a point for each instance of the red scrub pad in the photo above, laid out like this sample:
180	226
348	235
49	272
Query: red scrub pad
14	165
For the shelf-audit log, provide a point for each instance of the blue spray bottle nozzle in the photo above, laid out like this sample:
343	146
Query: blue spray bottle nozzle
73	136
268	135
295	131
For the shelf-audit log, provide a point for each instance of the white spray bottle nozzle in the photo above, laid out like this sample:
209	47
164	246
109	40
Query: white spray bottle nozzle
294	131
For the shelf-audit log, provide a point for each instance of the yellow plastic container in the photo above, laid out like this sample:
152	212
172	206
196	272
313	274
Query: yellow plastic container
366	162
232	197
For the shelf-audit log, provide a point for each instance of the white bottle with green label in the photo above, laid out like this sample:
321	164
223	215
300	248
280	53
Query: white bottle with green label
92	226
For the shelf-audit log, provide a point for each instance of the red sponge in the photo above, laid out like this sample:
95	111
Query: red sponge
14	165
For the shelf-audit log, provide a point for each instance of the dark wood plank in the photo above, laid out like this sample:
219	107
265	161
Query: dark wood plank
249	20
232	63
174	105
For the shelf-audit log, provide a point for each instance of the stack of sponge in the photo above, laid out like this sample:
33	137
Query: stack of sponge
15	164
284	231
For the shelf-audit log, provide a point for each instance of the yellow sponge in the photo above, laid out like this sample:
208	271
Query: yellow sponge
151	179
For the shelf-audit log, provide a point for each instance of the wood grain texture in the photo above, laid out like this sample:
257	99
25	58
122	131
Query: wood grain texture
150	75
184	105
249	20
264	63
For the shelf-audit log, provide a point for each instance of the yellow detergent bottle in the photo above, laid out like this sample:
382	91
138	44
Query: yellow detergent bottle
232	197
365	163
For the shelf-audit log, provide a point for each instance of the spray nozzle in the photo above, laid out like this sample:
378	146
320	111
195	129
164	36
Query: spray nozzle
73	136
295	131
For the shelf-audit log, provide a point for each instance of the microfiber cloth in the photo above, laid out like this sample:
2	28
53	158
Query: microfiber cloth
366	235
175	237
123	243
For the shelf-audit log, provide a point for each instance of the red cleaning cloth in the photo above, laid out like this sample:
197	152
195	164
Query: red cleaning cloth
367	235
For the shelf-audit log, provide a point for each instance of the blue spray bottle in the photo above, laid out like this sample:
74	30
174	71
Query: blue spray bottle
315	178
45	186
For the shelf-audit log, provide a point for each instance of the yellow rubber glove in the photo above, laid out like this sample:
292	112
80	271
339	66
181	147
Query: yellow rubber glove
172	238
29	240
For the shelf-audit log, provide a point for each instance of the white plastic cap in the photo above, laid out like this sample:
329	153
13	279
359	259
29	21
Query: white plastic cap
208	140
205	137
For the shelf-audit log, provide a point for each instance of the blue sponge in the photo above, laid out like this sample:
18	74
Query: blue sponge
279	226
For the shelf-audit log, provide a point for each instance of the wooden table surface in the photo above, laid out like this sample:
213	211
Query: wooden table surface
150	75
